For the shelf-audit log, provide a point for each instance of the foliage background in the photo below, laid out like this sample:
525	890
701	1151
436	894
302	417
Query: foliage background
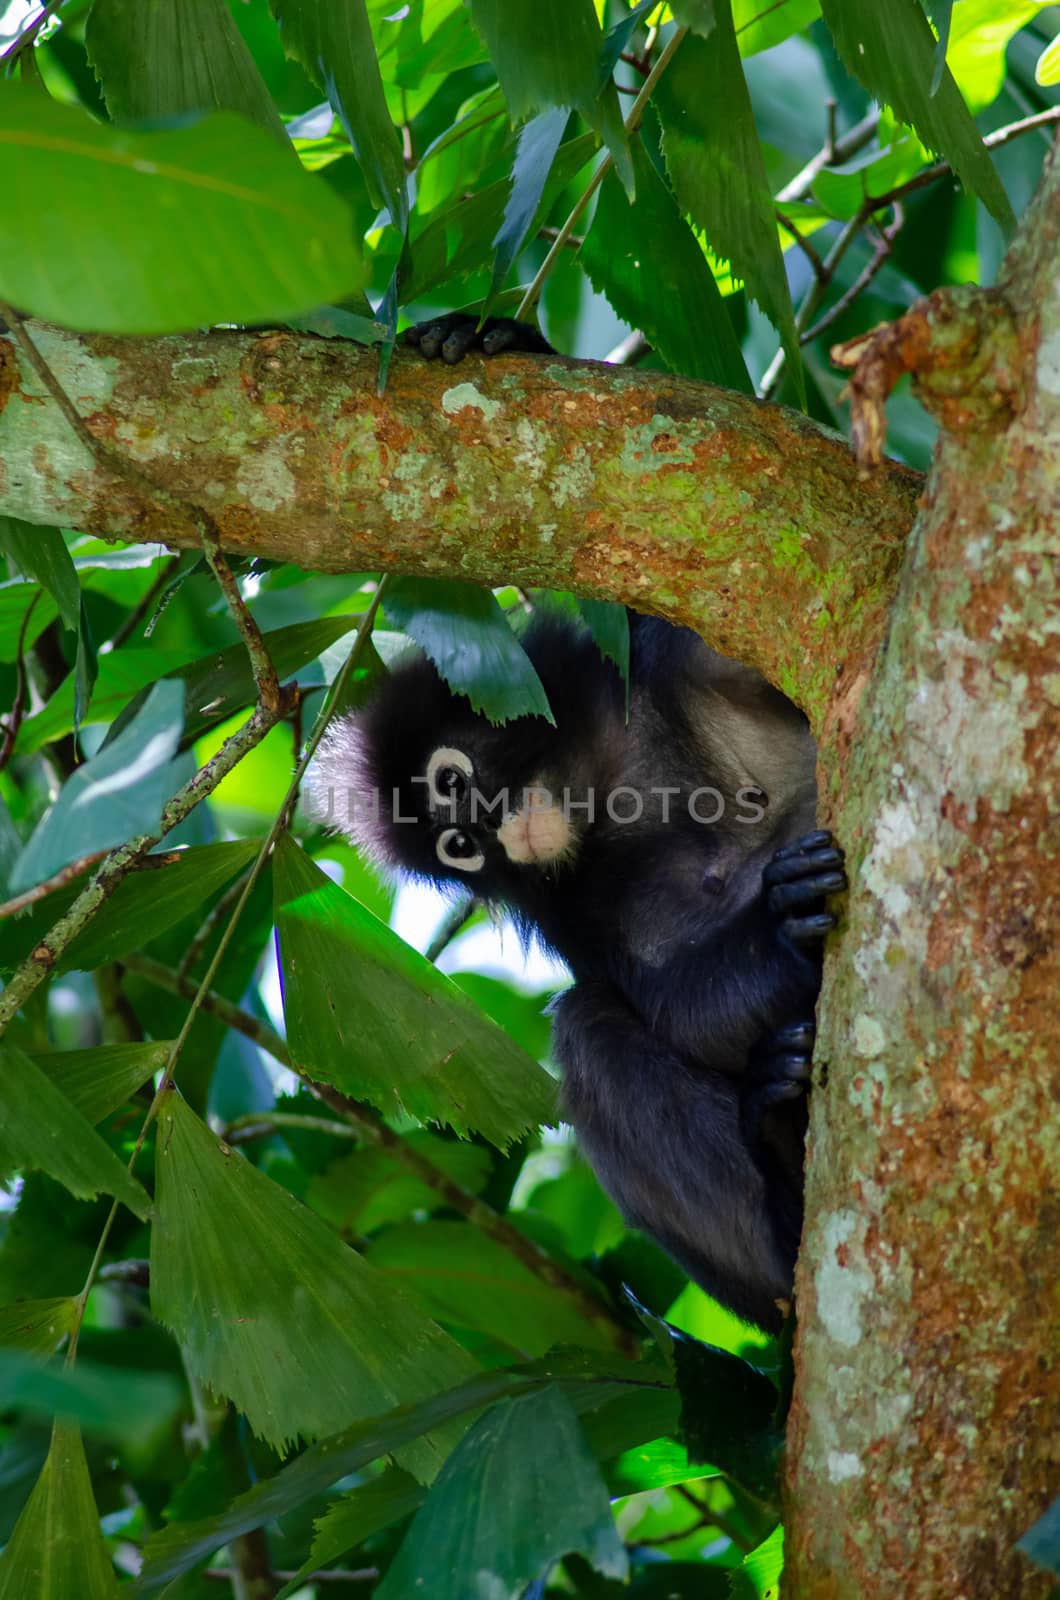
377	1249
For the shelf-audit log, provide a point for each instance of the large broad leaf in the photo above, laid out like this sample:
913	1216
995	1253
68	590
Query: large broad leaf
717	170
548	53
113	797
369	1188
598	1380
354	1518
333	41
528	1462
465	1278
273	1310
647	262
466	634
128	1407
57	1549
25	612
40	1128
207	223
366	1013
759	27
157	61
144	905
891	50
99	1080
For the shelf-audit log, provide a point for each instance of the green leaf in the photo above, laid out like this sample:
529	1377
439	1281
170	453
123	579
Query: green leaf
715	164
165	61
40	1128
41	554
1041	1543
360	1513
759	27
539	143
130	1408
99	1080
528	1462
608	622
367	1189
644	258
177	1549
891	50
115	796
654	1465
206	223
272	1309
728	1414
218	685
463	630
57	1549
368	1014
333	41
758	1577
37	1326
457	239
468	1280
841	194
143	907
23	605
122	673
548	53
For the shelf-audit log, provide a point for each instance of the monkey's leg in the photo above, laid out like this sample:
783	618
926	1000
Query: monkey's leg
665	1140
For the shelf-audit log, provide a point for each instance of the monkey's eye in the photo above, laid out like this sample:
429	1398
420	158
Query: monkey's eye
448	773
456	848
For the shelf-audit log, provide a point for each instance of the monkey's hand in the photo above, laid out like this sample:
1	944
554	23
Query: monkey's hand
796	881
453	335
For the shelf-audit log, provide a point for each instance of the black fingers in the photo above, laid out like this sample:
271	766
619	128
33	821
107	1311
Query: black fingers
798	878
453	335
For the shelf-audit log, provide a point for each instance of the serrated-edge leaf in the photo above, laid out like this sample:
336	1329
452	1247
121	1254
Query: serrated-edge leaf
366	1013
272	1309
891	50
157	61
57	1550
715	164
360	1513
40	1128
102	1078
36	1326
539	143
333	41
463	631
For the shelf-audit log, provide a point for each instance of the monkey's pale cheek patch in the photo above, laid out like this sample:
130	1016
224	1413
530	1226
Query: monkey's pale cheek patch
539	833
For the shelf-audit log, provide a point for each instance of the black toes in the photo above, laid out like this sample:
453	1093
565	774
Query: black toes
453	335
805	930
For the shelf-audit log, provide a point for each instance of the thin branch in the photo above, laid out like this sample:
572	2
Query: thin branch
213	918
372	1129
261	663
143	606
455	921
861	282
833	153
325	1575
58	880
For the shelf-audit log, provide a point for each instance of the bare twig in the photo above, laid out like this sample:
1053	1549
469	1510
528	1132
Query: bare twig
457	918
143	606
58	880
325	1575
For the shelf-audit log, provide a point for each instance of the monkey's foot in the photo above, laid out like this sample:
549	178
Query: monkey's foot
778	1071
796	881
453	335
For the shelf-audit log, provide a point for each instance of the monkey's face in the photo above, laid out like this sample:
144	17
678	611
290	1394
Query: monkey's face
425	784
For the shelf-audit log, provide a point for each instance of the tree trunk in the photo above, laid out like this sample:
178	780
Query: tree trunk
924	1436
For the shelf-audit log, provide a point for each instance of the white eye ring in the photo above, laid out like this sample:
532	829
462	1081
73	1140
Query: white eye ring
472	863
446	756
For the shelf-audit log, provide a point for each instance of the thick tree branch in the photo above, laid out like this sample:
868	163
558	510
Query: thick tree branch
745	520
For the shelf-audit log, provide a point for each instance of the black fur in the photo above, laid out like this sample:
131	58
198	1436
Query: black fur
695	945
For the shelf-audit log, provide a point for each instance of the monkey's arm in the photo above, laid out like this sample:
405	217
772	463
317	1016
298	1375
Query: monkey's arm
665	1140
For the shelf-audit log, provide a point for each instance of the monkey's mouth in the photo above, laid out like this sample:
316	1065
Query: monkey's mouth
538	833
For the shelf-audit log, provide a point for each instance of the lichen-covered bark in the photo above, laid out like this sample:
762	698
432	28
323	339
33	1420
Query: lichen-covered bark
924	1438
691	501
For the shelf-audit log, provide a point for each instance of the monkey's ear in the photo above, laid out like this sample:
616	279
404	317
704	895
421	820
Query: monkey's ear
343	790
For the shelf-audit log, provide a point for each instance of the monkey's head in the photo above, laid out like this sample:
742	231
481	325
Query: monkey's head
425	784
